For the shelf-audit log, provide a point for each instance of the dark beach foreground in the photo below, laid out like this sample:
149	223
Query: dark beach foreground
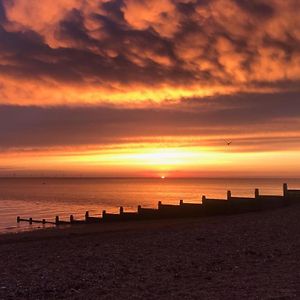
247	256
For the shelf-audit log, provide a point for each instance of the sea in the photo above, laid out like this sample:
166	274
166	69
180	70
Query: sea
45	198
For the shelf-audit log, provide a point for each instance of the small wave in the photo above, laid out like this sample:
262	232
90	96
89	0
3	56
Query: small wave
10	228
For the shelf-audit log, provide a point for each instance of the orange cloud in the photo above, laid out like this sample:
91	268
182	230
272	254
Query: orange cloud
89	52
161	15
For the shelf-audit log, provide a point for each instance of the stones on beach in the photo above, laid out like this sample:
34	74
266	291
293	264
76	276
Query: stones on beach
160	262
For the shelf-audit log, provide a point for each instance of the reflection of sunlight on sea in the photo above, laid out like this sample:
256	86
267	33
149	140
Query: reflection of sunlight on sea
31	198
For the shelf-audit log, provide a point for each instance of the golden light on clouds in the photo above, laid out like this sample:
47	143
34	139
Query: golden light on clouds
151	160
149	87
79	52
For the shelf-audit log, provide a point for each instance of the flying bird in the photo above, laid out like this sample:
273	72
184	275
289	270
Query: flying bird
228	143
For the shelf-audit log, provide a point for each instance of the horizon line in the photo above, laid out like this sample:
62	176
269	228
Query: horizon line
144	177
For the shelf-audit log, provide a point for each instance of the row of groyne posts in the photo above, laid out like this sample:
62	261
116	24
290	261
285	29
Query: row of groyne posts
208	207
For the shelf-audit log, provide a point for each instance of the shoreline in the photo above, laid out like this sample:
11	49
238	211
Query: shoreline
207	207
48	201
247	256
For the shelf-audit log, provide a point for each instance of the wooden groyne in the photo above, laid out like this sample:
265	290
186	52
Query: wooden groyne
208	207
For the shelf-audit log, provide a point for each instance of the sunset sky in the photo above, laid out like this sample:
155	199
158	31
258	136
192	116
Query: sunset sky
150	88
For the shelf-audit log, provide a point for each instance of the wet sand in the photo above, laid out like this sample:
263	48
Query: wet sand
249	256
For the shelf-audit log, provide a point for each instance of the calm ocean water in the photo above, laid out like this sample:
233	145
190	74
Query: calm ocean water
46	197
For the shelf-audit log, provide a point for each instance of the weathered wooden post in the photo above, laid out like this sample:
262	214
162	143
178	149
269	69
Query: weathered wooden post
257	203
71	219
87	215
139	209
103	214
30	221
285	189
159	204
57	220
181	202
18	219
228	195
285	194
44	221
121	210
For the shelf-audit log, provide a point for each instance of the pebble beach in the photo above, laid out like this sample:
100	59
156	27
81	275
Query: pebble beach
247	256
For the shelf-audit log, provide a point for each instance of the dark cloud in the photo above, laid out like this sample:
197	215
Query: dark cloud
208	118
72	28
32	58
258	8
2	13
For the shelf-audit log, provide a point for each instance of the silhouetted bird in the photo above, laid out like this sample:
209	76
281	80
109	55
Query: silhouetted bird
228	143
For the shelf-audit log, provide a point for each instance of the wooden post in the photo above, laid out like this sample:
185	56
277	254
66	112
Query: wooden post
44	221
57	220
30	221
286	200
87	216
203	199
121	210
139	209
71	219
103	214
228	195
18	219
181	202
285	190
257	203
159	204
